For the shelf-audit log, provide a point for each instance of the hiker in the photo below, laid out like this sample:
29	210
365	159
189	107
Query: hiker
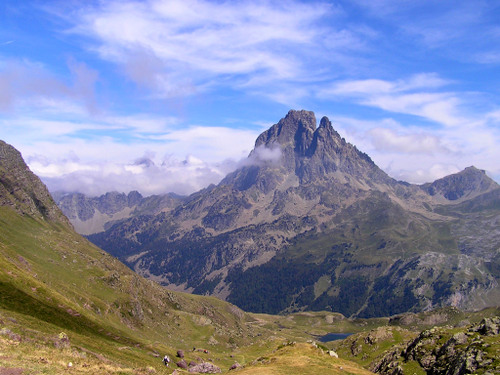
166	360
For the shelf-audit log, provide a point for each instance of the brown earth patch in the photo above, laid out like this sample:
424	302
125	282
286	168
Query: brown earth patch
11	371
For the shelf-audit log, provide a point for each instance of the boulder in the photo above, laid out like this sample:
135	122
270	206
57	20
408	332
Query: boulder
488	326
234	366
333	354
182	364
205	368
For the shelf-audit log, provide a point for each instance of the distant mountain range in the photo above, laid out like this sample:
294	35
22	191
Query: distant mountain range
91	215
311	223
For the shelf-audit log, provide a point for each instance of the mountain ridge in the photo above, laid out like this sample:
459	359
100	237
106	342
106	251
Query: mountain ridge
309	204
91	215
66	305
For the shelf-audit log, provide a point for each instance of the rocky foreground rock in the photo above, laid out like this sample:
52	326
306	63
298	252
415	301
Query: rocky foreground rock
446	351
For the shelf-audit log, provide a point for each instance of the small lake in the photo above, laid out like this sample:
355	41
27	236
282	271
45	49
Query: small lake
333	336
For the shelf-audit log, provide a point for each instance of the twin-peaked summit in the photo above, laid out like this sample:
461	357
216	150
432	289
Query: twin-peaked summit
310	154
299	139
297	133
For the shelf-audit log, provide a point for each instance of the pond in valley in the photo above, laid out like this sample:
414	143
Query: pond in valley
333	336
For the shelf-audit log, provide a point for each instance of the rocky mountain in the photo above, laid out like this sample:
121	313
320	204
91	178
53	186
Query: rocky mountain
310	222
66	306
91	215
22	190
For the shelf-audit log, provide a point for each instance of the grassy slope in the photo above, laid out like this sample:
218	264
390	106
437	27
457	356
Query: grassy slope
300	359
54	281
62	301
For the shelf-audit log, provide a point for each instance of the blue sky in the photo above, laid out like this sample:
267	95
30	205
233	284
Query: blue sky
161	96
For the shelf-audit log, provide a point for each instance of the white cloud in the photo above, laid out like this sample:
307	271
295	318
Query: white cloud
362	87
212	143
412	154
438	107
181	47
97	177
208	36
414	96
163	156
430	173
370	87
385	139
263	155
422	81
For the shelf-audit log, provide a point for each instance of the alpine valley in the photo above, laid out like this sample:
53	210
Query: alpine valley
68	307
309	222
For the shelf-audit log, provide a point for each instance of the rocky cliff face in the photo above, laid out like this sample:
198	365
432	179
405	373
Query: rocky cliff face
315	153
310	222
22	190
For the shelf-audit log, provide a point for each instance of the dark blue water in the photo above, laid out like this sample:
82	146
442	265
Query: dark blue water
333	336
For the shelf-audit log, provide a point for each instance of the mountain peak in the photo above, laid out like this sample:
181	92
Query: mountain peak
294	129
325	122
314	218
468	182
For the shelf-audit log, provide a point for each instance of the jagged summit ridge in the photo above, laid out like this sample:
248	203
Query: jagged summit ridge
294	131
297	132
310	153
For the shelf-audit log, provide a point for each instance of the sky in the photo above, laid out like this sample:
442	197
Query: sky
169	95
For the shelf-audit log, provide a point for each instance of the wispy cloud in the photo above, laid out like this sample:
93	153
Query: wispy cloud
23	81
162	157
414	96
204	38
181	48
414	154
389	140
463	31
372	86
